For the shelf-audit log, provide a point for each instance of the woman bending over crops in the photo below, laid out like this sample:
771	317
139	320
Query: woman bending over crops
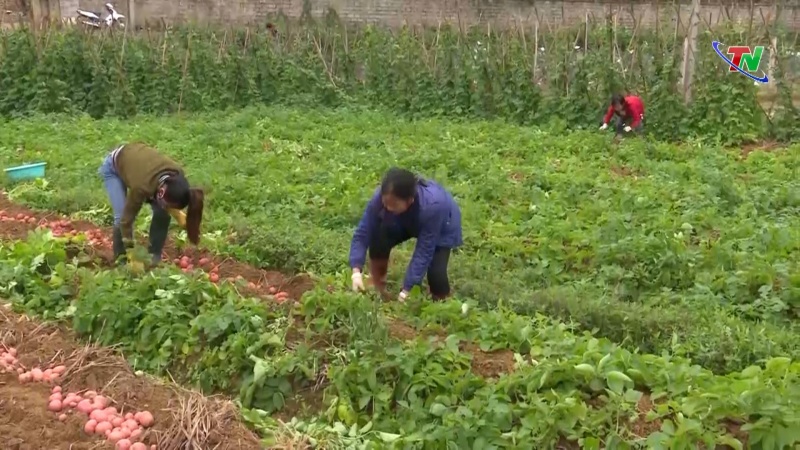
135	174
629	111
406	206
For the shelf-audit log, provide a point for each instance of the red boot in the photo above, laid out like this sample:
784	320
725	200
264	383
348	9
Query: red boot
378	269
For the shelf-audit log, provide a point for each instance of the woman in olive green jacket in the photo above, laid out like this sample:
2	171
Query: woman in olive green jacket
134	174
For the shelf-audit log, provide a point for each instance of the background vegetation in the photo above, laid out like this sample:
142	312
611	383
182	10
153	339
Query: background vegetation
560	79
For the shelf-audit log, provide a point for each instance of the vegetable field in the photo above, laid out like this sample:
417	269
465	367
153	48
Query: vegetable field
618	296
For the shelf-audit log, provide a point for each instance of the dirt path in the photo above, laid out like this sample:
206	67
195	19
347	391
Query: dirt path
26	423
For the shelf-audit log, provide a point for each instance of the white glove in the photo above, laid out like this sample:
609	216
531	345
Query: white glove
358	281
403	296
627	129
603	126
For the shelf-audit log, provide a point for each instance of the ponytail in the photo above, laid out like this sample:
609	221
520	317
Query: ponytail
194	215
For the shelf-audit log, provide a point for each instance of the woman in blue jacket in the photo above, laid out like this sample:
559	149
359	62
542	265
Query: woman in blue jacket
406	206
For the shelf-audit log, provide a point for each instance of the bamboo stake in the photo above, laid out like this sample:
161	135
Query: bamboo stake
658	27
436	44
346	40
122	51
690	45
185	70
324	63
222	45
164	48
677	26
586	35
535	49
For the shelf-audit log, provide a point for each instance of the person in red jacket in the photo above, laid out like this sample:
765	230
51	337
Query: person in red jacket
629	111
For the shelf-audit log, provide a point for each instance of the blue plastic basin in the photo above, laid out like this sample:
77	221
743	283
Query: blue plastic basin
26	172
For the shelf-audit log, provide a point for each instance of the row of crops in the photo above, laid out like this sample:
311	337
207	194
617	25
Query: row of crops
418	375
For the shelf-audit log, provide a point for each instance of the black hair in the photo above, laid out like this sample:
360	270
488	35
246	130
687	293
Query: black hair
177	191
400	183
180	194
618	99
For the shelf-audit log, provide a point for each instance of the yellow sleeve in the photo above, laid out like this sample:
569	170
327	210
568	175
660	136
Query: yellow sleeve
178	215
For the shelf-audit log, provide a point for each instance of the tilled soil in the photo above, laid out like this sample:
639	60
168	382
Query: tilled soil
26	423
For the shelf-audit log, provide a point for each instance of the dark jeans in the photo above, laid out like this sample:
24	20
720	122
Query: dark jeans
388	237
619	125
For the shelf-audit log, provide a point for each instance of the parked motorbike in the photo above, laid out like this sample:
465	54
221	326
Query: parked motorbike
92	18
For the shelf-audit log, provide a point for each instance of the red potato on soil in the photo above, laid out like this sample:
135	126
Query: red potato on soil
116	435
145	418
90	426
281	297
102	402
99	415
102	428
85	406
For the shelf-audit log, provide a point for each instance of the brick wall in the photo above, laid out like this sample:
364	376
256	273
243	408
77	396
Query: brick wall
397	12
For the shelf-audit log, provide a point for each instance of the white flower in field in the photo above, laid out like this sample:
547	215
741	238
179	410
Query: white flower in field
464	308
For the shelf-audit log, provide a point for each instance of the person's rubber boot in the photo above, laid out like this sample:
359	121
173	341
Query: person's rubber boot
439	298
159	229
118	245
378	268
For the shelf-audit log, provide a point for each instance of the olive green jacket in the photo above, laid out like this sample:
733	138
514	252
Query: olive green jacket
142	169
